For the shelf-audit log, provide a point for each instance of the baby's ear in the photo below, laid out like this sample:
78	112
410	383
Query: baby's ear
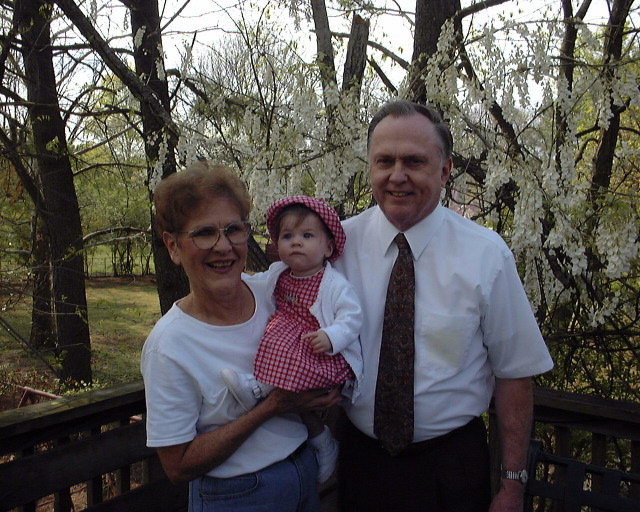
331	246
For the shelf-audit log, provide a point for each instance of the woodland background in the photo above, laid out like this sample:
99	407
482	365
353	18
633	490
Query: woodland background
101	99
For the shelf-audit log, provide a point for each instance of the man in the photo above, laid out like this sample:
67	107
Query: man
474	336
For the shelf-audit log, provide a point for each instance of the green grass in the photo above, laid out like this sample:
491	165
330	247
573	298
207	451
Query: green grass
121	314
122	311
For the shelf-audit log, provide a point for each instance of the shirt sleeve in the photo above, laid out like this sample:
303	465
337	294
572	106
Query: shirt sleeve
511	334
347	312
173	401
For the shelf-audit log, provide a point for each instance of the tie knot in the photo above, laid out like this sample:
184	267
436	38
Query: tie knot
401	241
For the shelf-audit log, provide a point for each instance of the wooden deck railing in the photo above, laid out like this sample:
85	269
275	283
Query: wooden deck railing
588	452
84	452
88	452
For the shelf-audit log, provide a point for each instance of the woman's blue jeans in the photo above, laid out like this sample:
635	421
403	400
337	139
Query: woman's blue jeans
286	486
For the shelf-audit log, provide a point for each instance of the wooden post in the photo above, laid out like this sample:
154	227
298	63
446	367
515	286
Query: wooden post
634	491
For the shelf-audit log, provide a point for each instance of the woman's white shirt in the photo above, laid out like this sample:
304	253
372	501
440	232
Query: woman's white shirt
181	363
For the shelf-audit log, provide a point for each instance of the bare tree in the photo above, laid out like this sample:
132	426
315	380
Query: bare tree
160	140
159	130
59	207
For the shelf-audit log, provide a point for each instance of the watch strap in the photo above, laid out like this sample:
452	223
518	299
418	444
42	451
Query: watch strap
519	476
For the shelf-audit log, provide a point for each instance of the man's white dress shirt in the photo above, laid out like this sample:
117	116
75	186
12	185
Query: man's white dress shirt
473	321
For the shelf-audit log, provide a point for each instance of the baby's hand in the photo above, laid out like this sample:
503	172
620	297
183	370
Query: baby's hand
319	341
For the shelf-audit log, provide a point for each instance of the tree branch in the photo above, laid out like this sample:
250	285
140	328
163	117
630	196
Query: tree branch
140	90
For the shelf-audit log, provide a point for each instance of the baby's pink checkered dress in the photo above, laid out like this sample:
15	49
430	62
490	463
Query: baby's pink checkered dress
284	359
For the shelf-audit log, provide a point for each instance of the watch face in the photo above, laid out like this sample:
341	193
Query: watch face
524	476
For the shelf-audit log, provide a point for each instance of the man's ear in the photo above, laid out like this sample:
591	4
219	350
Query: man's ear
171	243
447	165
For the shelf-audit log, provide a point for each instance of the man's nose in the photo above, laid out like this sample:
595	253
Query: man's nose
398	172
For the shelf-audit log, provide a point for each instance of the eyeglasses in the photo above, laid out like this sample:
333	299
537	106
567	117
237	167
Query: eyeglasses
205	237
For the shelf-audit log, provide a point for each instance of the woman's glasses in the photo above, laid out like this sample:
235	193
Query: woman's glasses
205	237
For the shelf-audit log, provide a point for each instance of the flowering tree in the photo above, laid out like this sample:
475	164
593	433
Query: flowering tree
557	175
543	112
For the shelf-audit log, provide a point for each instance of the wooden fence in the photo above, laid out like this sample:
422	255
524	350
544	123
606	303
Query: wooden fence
88	452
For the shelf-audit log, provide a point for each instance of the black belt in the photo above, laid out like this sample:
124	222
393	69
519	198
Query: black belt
422	446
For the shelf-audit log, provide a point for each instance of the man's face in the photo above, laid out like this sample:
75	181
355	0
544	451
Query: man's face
407	168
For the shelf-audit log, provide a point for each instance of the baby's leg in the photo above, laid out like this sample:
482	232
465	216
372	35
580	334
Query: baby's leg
323	444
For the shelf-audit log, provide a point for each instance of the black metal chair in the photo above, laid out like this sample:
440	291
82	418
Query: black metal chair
572	484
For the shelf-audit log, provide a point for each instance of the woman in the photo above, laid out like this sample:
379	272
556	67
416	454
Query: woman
234	460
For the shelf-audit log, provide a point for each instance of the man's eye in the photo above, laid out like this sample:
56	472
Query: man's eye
233	229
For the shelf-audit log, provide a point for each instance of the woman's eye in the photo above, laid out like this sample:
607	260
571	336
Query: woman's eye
203	232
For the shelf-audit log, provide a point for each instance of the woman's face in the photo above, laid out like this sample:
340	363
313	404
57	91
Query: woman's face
215	269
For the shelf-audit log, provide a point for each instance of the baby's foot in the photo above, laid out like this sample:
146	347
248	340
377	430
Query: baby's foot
326	450
244	388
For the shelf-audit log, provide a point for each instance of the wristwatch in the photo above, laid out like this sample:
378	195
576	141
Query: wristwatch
521	476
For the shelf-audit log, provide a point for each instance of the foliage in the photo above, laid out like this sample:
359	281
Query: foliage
259	110
121	313
16	220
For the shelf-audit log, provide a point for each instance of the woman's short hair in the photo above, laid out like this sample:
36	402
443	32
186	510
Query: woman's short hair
406	108
177	196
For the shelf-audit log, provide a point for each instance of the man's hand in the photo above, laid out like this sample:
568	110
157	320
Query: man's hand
315	400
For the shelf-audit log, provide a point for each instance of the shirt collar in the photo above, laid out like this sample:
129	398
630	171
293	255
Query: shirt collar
418	236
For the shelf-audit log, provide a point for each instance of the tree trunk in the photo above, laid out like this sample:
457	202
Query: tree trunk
603	162
60	211
324	56
160	142
351	78
356	58
159	129
430	17
43	325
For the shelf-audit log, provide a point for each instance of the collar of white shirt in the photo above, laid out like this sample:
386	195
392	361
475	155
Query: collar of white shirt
418	236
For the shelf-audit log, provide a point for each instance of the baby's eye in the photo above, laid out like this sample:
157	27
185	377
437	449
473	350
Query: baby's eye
308	235
286	236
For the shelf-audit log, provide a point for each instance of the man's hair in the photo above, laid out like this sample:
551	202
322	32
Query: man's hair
406	108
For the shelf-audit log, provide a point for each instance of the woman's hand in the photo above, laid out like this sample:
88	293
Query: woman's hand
314	400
